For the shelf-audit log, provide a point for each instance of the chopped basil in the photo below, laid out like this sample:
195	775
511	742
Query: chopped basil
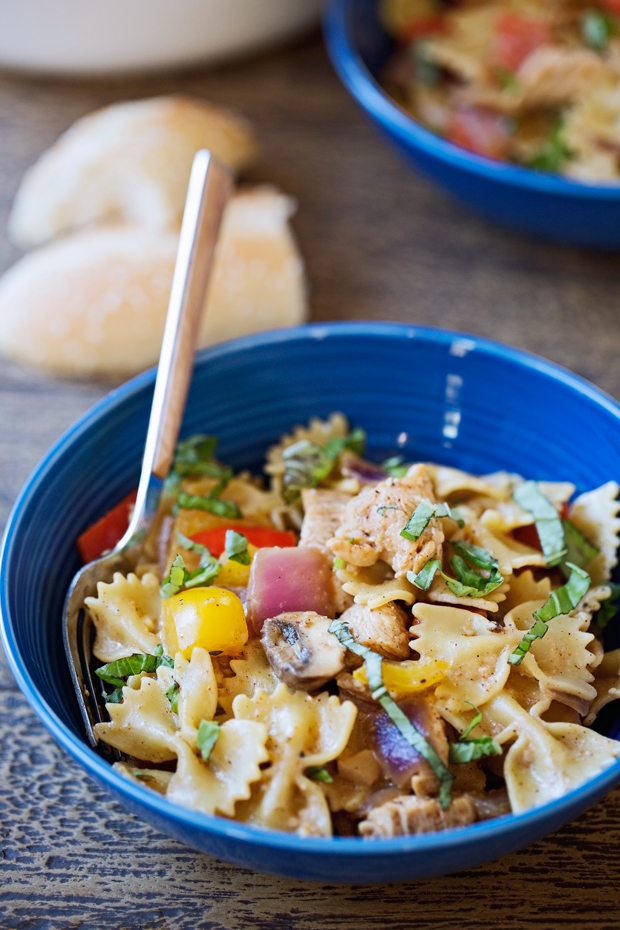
172	694
424	577
373	663
143	776
472	749
561	601
609	608
422	516
579	550
114	697
597	27
210	503
382	510
476	555
548	524
468	582
307	463
426	71
236	548
318	773
394	466
116	673
554	152
179	576
507	79
355	441
468	750
207	737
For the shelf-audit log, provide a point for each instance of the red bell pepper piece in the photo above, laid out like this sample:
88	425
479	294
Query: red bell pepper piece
260	536
528	535
106	532
479	130
516	37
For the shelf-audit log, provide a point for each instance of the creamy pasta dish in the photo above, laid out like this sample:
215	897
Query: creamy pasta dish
536	82
360	649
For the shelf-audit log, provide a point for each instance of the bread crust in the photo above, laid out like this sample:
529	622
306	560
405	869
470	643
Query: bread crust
129	162
93	303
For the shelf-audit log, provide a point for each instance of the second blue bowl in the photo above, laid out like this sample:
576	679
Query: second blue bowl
545	205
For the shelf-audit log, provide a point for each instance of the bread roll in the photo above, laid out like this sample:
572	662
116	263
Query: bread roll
129	162
93	304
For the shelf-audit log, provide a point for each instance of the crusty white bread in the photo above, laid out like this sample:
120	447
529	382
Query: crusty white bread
129	162
93	303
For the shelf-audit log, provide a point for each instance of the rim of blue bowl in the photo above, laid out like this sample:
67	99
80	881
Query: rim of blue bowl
230	829
363	86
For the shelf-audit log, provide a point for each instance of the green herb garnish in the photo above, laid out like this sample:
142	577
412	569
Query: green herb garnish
318	773
172	693
548	524
561	602
472	749
468	582
394	466
468	750
236	548
207	737
579	550
116	673
422	516
373	663
597	28
339	563
355	441
179	576
426	71
306	463
211	503
554	152
424	578
609	607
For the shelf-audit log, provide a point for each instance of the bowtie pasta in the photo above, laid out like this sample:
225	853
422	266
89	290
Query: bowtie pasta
536	82
360	649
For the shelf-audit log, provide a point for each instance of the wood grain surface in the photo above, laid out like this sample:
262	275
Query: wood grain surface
380	243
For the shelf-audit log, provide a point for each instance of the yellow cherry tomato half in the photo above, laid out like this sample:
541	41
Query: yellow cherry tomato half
210	617
234	573
408	677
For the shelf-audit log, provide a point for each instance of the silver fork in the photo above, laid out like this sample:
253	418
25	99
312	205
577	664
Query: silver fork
210	186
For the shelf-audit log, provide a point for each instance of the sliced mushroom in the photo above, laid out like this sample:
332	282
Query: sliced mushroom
301	650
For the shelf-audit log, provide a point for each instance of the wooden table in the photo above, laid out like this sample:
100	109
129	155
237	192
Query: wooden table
380	243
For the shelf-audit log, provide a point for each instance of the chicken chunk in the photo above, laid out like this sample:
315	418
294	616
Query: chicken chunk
323	511
383	629
407	816
552	76
372	522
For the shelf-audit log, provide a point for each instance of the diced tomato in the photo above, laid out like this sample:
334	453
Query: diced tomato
479	130
612	6
259	536
424	26
106	532
528	535
515	37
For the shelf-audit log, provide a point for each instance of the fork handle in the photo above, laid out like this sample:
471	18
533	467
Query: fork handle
210	186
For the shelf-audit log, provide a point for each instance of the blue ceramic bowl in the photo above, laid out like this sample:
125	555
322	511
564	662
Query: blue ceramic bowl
542	204
438	396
